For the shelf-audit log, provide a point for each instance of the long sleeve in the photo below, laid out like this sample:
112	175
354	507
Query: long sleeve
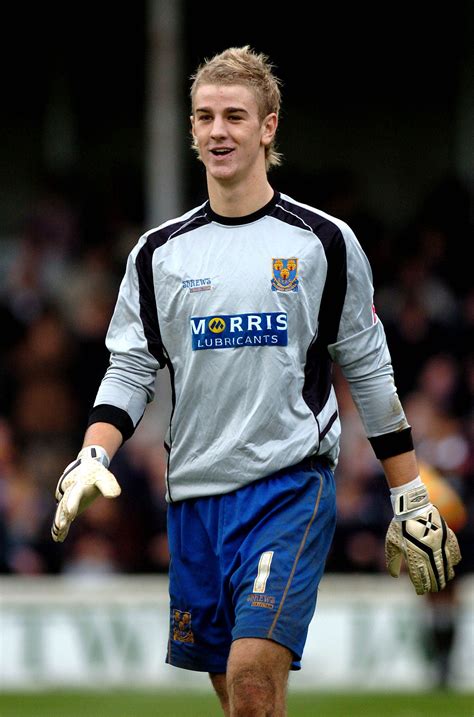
362	352
129	383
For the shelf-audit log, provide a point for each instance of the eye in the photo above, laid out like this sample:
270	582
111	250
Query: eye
235	118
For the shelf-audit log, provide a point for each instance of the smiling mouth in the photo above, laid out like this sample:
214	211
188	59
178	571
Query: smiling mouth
221	152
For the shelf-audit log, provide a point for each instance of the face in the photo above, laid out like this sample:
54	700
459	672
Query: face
229	133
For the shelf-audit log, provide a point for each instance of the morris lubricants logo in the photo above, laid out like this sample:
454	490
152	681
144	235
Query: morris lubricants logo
217	325
237	330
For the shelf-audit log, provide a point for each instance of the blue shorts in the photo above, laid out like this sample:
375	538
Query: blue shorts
248	564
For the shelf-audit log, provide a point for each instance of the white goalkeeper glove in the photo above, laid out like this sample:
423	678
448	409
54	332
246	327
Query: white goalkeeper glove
419	534
82	482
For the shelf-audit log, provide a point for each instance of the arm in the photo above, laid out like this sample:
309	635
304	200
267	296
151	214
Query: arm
400	469
127	387
105	435
417	532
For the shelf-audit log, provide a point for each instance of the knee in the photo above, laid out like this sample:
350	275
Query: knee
252	693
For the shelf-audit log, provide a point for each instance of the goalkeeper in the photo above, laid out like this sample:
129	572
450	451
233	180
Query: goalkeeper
248	299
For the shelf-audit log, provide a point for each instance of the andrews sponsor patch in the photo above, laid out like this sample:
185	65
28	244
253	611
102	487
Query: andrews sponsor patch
238	330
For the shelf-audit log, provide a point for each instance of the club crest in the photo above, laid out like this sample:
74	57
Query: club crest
182	631
285	274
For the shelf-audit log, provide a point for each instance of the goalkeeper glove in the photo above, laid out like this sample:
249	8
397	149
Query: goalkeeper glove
419	534
82	481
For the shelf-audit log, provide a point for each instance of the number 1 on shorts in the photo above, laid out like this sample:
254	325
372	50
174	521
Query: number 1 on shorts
263	572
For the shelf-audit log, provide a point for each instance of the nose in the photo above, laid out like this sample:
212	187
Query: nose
218	130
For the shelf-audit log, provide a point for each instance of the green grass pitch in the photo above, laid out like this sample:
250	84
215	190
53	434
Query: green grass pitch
166	704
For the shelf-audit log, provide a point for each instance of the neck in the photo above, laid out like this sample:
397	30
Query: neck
240	200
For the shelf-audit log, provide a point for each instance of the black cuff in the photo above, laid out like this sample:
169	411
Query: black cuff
392	444
104	413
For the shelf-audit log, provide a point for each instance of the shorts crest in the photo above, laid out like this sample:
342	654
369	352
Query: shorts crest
182	631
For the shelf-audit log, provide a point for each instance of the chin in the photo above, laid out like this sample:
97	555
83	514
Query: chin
222	173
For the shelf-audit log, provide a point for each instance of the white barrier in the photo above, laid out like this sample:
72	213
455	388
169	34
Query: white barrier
367	633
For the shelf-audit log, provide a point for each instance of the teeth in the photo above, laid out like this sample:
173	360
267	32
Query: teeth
220	151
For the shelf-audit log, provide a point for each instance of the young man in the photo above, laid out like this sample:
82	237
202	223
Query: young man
248	299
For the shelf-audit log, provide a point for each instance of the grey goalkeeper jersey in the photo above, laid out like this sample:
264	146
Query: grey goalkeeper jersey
248	314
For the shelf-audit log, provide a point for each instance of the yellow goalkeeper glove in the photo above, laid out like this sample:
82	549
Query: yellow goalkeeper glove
420	535
82	482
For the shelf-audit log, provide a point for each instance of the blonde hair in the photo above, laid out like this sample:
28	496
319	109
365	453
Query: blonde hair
243	66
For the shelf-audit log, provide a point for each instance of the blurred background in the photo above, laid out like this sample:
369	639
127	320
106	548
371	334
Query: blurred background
377	128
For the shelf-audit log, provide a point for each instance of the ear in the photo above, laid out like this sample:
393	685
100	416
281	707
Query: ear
269	128
192	125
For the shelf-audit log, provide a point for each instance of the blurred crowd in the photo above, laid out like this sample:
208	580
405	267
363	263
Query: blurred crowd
59	277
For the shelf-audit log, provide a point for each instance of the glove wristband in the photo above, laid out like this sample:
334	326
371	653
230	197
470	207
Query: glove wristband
97	453
409	500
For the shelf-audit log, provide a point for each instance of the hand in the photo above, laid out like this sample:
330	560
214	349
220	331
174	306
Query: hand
82	482
422	537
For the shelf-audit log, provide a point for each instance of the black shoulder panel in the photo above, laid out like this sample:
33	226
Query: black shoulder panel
317	385
148	309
